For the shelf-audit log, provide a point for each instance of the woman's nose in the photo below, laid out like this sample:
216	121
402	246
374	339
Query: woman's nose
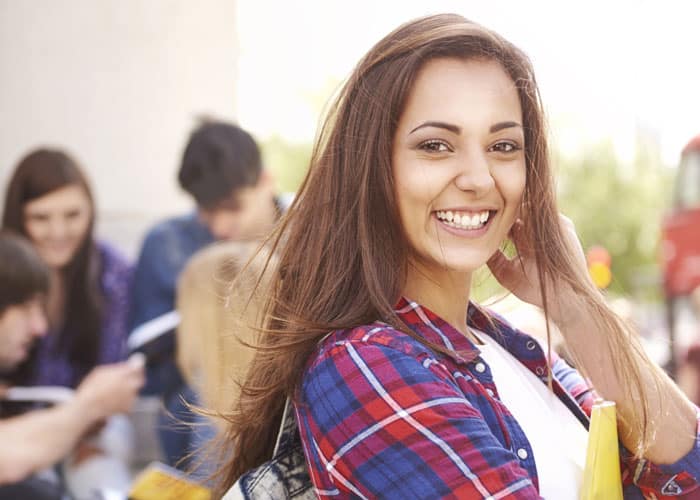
475	174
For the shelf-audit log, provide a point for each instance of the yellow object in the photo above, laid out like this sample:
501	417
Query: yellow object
160	482
600	273
601	477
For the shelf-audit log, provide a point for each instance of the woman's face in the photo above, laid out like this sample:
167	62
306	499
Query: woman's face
57	223
459	164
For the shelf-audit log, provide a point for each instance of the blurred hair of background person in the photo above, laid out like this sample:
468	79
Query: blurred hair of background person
36	440
235	199
219	310
49	201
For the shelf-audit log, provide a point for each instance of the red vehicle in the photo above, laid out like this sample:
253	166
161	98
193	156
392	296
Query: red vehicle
680	237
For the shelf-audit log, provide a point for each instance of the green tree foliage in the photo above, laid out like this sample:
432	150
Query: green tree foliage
287	161
619	206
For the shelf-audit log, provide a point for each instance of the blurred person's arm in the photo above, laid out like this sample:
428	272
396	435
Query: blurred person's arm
153	280
37	440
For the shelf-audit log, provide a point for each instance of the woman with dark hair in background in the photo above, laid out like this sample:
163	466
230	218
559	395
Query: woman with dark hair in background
49	201
433	157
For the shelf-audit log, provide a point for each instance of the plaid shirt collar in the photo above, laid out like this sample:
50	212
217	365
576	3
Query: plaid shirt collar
461	350
436	330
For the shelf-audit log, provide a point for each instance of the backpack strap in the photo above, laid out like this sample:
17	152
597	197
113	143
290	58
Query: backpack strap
284	427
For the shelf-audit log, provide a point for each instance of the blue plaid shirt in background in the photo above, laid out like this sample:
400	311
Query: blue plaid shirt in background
382	415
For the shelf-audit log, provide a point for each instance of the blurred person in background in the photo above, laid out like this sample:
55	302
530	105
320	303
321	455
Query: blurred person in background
35	441
217	330
48	200
222	170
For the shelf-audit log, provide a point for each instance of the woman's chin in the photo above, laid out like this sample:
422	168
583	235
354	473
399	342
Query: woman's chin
464	263
57	260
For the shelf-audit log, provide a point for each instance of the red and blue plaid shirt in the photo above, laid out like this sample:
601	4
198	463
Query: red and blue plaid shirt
382	415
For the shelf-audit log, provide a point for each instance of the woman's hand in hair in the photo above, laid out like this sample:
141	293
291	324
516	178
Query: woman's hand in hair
519	273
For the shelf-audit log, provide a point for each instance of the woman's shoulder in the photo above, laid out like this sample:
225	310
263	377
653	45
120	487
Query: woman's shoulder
374	337
115	268
110	255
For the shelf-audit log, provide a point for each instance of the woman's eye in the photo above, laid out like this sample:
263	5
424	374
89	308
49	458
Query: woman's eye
434	146
505	147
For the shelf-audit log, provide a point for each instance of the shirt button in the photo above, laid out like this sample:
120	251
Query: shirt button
489	392
530	345
522	453
480	367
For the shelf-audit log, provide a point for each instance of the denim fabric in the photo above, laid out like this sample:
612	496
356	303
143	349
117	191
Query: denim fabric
284	476
164	253
184	434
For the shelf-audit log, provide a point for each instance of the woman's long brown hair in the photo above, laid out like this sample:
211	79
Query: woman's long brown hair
342	251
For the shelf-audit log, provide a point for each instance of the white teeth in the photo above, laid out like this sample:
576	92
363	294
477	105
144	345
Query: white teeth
464	221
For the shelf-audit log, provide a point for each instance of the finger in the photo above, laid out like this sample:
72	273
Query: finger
572	239
504	269
519	237
566	222
137	360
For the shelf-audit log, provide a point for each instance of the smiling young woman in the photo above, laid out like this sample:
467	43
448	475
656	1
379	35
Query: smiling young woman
48	200
433	155
459	162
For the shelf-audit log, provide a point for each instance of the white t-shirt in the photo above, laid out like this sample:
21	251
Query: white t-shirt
557	438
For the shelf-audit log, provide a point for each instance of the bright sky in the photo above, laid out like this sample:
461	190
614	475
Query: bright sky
605	68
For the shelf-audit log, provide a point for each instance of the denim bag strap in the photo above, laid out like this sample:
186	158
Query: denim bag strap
285	475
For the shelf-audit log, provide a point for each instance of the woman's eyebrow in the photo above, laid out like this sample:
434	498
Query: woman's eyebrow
457	130
447	126
503	125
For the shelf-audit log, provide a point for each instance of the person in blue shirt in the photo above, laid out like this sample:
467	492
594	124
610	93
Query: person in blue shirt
235	199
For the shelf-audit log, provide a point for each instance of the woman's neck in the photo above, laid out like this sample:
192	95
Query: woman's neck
445	293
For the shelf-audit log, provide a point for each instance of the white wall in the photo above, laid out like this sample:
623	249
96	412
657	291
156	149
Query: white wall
119	84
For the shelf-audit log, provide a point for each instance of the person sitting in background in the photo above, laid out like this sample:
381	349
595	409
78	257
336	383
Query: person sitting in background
216	331
222	171
36	440
48	200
